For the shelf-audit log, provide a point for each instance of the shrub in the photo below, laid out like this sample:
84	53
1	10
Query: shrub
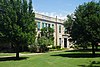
58	47
43	48
38	49
33	48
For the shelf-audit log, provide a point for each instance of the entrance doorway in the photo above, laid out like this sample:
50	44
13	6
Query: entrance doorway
65	42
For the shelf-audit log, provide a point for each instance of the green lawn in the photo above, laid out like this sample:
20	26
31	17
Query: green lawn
53	59
7	54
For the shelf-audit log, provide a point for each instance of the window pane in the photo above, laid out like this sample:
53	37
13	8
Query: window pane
53	26
48	25
59	41
42	25
45	24
59	28
38	25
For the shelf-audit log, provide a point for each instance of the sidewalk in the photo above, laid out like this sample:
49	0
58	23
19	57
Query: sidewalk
21	54
30	54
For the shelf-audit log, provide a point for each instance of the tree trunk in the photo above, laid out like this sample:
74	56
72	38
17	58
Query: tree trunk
17	51
17	55
93	49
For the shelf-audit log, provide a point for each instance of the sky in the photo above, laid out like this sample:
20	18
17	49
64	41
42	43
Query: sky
60	8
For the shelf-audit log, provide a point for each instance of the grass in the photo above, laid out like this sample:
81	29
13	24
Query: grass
7	54
54	59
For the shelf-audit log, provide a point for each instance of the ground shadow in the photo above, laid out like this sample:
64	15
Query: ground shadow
77	55
92	64
12	58
82	50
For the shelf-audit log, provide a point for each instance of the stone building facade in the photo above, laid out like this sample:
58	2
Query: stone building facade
60	38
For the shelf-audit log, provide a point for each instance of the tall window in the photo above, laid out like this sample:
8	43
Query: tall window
59	41
59	28
53	26
43	25
48	25
38	25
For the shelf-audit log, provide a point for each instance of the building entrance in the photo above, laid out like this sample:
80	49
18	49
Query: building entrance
65	42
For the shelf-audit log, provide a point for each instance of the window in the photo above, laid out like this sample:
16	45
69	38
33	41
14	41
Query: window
45	24
59	41
65	31
53	26
38	25
42	25
48	25
59	28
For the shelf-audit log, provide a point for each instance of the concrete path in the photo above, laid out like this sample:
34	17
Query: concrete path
21	54
30	54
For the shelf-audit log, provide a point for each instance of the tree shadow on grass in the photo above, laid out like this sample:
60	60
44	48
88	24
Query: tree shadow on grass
78	55
82	50
92	64
79	50
12	58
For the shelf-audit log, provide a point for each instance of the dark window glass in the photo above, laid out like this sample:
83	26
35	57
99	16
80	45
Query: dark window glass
59	28
38	25
59	41
53	26
43	25
48	25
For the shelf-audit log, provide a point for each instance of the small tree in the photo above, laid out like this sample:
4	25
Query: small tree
48	33
46	38
17	24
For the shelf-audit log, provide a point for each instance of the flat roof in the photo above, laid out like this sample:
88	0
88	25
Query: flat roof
48	18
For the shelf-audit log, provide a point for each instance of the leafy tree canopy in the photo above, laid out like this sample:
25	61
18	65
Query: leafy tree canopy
17	24
47	37
86	24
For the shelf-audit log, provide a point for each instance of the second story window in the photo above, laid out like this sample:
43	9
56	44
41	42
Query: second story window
59	28
53	26
48	25
38	25
43	25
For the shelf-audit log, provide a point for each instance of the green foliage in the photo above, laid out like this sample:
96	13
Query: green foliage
17	24
33	48
58	47
46	37
68	23
86	25
43	41
47	32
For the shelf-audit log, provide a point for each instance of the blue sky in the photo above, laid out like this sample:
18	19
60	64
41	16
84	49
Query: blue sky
57	7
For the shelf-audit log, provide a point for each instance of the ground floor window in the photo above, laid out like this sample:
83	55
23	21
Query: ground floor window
59	41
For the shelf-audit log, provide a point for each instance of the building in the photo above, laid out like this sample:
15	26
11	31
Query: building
60	38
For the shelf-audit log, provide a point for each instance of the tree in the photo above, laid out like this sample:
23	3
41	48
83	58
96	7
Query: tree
86	25
17	24
68	23
47	37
